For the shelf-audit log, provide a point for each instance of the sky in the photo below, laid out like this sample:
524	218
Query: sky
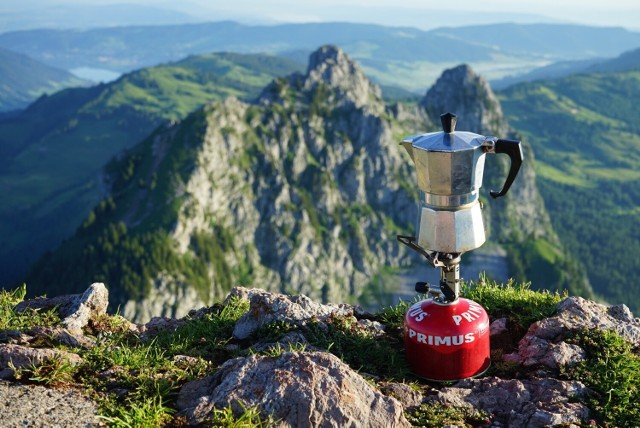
397	12
423	14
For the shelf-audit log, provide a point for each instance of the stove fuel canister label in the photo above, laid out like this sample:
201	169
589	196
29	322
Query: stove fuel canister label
455	340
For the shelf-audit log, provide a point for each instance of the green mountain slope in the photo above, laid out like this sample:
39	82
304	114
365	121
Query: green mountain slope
585	133
23	79
53	152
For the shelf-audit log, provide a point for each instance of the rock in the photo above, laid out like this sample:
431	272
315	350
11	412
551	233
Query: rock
92	303
159	324
75	309
298	310
19	357
15	337
296	389
59	336
331	66
36	406
499	326
534	351
402	392
544	342
241	293
520	403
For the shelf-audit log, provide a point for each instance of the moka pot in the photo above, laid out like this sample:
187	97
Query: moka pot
449	168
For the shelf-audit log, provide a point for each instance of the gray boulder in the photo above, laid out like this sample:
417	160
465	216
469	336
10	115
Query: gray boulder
298	310
544	344
295	389
37	406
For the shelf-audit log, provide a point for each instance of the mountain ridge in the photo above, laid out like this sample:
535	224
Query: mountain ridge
312	171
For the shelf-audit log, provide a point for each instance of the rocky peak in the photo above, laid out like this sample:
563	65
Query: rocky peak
330	66
461	91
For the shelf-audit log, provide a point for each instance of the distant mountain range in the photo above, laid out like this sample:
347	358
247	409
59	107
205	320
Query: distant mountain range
627	61
405	57
23	79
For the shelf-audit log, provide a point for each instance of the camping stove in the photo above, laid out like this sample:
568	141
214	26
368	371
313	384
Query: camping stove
447	336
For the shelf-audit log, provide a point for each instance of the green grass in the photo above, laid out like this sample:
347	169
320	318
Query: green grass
515	301
12	320
612	371
145	371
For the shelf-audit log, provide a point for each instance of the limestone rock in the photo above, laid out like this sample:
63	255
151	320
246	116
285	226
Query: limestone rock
296	389
60	336
298	310
402	392
544	342
75	309
520	403
92	303
158	324
498	326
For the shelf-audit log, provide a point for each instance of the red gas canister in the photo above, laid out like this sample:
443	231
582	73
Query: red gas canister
447	341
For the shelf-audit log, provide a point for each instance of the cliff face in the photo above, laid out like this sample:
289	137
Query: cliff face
308	182
302	191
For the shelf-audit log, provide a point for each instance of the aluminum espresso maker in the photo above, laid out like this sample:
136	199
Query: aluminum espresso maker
447	336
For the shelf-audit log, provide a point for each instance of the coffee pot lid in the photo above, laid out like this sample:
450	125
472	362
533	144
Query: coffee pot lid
447	140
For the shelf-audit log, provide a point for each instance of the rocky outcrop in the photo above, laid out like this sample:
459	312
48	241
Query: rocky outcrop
544	344
313	389
292	383
296	310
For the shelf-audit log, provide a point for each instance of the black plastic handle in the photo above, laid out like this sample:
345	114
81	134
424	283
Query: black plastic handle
514	149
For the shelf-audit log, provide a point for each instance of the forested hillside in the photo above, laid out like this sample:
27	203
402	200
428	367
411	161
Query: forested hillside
585	132
23	79
53	152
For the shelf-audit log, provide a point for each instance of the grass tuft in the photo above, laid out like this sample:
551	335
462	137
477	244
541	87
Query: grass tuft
612	370
517	302
12	320
350	341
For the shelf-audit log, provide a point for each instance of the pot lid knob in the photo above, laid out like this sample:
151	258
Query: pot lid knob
448	122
